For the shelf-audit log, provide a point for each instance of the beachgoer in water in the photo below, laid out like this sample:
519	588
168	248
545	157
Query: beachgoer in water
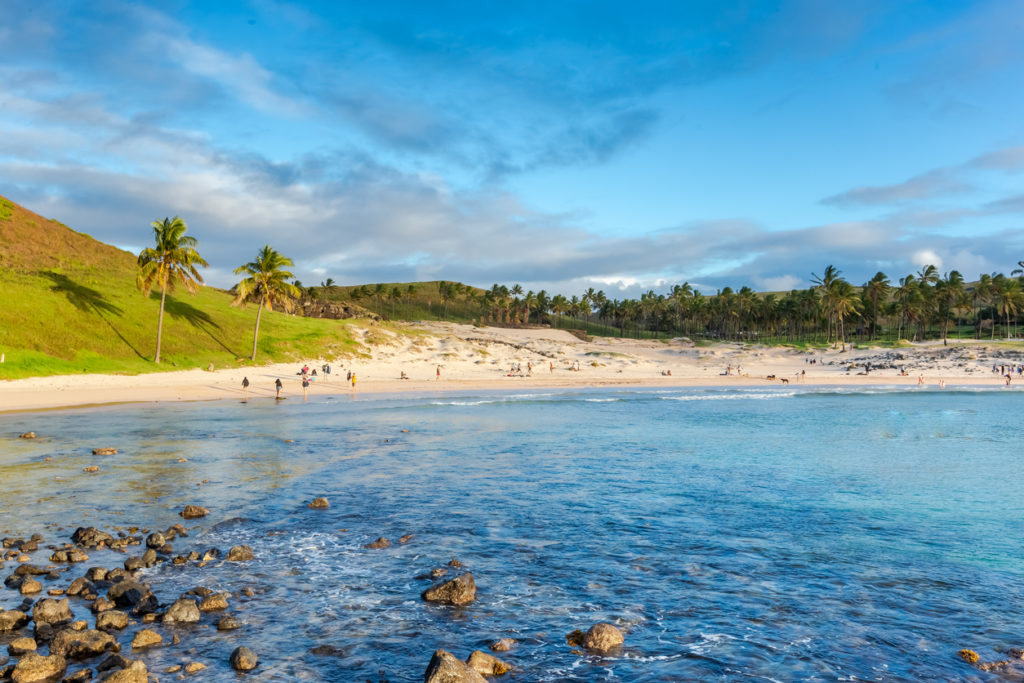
278	385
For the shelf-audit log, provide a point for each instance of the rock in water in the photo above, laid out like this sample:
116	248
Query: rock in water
111	620
81	644
50	611
91	537
12	620
22	646
228	623
459	591
106	450
28	435
239	553
503	645
146	638
156	540
602	637
378	544
135	673
183	611
319	504
486	664
194	512
212	603
444	667
243	659
33	668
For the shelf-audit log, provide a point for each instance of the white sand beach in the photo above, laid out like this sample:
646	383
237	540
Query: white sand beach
498	358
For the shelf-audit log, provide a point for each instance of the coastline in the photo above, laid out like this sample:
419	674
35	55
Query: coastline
483	359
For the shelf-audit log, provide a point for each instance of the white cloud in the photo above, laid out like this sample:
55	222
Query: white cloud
926	257
780	283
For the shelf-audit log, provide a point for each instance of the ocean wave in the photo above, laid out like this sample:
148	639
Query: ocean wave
730	397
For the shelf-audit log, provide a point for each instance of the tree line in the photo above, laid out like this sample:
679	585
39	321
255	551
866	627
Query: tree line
922	305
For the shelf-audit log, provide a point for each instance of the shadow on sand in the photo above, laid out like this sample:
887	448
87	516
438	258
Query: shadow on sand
89	300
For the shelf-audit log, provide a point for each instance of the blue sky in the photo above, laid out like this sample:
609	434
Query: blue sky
624	146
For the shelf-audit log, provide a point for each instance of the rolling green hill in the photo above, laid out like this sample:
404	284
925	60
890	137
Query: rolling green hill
68	304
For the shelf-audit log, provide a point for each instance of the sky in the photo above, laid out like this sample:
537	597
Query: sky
625	146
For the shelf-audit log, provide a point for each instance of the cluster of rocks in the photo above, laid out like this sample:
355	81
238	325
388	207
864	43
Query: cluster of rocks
116	599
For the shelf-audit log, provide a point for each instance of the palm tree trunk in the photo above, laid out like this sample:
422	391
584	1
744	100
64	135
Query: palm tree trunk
160	324
256	332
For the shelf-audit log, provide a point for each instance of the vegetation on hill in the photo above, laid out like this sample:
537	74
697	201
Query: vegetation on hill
70	305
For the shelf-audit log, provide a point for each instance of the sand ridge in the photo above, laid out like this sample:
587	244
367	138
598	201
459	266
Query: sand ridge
489	358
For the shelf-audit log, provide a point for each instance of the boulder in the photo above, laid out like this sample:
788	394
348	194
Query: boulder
135	672
27	435
73	555
133	594
146	638
112	620
80	676
50	611
104	450
193	667
486	664
81	644
459	591
602	637
156	540
81	585
30	587
183	611
212	603
445	667
239	553
22	646
91	537
243	659
194	512
319	504
33	668
100	605
12	620
378	544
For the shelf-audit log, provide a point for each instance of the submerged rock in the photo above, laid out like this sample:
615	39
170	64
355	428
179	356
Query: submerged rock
378	544
602	637
228	623
194	512
459	591
445	667
239	553
105	450
27	435
319	504
243	659
502	645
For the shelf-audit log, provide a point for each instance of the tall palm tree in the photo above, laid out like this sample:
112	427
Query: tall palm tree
875	291
172	262
267	283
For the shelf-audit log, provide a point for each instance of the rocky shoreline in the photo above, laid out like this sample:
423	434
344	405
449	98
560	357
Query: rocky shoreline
100	622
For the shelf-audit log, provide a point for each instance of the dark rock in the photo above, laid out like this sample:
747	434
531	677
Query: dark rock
112	620
239	553
29	570
228	623
91	537
113	661
378	544
10	542
132	594
486	664
444	667
119	574
81	585
319	504
50	611
194	512
12	620
200	591
183	611
243	659
81	644
329	651
80	676
459	591
33	668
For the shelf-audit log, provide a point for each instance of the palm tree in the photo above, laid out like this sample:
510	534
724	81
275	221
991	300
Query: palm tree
267	284
876	289
172	262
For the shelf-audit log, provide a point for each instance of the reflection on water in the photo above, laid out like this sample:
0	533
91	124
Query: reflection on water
776	535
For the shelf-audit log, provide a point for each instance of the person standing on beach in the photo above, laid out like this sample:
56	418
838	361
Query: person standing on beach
438	373
278	385
305	388
353	380
245	385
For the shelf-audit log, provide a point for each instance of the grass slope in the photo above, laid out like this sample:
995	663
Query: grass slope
68	304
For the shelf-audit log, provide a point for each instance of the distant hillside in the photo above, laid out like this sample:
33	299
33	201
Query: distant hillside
411	300
69	304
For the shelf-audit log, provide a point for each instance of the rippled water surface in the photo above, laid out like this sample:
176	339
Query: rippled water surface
770	535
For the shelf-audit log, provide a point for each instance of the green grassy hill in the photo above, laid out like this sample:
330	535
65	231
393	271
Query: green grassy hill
410	301
68	304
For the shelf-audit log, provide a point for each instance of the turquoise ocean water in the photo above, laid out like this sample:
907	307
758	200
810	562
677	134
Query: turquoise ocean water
747	534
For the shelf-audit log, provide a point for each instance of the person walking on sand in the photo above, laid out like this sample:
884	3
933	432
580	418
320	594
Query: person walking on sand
245	385
353	380
305	389
438	373
278	385
551	367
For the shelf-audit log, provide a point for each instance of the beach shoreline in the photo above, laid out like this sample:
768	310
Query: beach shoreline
498	359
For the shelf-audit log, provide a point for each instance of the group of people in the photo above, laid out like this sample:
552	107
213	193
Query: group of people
307	375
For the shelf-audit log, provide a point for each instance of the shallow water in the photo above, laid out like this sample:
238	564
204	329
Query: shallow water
770	535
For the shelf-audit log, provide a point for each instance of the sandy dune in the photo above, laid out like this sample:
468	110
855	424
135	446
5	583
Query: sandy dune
494	358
